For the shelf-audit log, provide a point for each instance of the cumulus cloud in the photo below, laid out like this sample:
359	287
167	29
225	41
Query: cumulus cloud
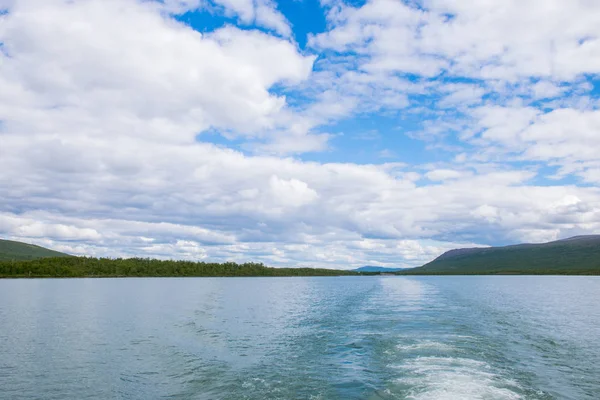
228	199
487	63
487	40
564	137
160	80
261	12
102	148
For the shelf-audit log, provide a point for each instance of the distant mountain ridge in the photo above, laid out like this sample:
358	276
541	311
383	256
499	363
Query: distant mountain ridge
575	255
18	251
373	268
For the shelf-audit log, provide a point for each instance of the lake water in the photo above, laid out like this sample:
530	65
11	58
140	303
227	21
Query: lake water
498	337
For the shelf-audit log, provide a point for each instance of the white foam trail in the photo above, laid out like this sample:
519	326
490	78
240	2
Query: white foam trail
441	378
426	345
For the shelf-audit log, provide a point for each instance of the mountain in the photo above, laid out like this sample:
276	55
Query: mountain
371	268
18	251
576	255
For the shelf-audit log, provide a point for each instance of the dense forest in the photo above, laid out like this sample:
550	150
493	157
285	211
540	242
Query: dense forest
56	267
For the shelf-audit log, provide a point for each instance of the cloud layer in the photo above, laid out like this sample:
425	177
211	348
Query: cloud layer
106	108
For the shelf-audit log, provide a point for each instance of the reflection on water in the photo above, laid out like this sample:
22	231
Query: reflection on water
301	338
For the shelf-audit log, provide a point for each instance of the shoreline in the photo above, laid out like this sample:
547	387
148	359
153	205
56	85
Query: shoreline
282	276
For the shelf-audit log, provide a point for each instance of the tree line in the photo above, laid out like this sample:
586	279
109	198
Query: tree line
72	267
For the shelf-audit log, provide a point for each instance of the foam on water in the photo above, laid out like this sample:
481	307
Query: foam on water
425	346
440	378
440	365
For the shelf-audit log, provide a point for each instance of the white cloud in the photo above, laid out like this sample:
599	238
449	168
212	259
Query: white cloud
268	16
292	192
222	200
103	137
460	95
181	6
486	55
545	89
243	8
443	174
563	137
486	212
262	13
32	228
159	80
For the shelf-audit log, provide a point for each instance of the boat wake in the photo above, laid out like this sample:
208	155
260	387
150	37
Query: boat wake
440	378
440	370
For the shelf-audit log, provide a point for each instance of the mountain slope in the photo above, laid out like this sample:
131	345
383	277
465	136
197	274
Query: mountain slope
11	250
577	255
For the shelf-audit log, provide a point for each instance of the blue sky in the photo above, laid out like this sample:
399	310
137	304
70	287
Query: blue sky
299	133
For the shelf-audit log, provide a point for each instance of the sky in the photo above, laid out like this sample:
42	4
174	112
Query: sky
301	132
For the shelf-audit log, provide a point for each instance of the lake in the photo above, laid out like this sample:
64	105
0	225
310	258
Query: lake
478	337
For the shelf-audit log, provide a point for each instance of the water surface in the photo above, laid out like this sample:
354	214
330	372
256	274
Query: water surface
498	337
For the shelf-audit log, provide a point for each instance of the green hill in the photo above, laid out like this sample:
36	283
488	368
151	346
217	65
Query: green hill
18	251
577	255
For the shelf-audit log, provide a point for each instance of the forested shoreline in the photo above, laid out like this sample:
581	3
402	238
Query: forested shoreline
78	267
